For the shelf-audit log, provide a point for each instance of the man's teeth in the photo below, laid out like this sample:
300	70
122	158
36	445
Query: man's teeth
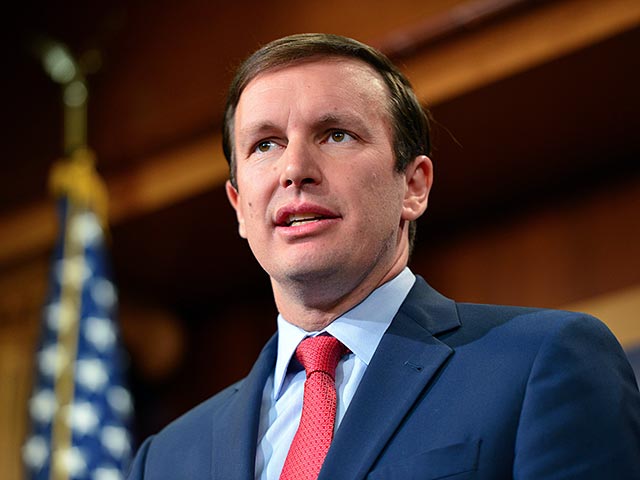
300	218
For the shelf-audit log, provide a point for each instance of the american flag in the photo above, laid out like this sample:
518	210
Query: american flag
80	408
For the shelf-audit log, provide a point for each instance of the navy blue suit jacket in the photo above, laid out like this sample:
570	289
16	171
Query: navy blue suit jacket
455	391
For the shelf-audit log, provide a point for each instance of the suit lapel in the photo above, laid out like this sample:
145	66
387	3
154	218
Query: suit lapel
235	431
406	360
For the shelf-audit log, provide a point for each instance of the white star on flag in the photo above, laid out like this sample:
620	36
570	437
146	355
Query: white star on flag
82	418
52	360
43	405
86	228
92	374
116	440
103	293
35	452
72	461
107	473
75	270
100	332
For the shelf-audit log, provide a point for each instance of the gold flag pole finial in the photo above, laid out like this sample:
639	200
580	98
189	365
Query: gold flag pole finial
76	178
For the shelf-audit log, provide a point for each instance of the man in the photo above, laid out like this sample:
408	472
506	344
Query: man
328	147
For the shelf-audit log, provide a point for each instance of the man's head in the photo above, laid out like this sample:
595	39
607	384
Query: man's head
410	122
326	179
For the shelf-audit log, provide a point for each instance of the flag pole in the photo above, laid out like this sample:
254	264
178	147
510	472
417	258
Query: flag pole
62	68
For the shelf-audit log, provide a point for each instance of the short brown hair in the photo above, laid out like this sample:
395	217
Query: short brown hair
410	121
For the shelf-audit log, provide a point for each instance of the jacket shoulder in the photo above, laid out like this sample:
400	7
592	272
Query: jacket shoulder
532	322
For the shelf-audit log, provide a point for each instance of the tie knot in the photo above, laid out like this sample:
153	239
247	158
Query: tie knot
320	353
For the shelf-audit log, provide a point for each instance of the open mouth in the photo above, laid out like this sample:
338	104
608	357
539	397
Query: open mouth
296	219
303	214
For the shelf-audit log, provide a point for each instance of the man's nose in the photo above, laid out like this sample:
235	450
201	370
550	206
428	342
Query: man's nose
300	165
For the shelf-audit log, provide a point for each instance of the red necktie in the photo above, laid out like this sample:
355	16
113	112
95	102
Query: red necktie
319	356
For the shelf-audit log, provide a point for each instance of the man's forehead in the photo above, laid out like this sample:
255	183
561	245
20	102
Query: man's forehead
318	61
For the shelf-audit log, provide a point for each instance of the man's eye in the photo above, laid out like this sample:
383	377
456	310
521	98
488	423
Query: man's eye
339	137
264	146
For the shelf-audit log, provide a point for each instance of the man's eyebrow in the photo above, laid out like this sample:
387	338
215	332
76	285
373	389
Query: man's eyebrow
336	119
257	128
253	131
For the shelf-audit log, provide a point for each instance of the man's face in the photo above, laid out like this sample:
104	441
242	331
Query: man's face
318	196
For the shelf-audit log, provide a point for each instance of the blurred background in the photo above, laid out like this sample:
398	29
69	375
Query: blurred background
537	179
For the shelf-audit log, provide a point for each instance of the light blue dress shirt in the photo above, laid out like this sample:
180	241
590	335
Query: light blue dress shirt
361	330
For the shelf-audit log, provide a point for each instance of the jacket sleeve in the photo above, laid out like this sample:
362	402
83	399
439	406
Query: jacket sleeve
137	469
581	411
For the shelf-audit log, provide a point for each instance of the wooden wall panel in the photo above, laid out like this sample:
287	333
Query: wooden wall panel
560	253
22	292
619	310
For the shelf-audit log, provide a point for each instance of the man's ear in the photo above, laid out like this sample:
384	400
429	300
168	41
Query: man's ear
419	178
234	199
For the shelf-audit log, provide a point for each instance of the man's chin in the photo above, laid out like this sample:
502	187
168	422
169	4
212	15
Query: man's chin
310	274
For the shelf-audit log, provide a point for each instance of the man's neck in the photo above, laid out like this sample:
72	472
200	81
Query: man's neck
313	309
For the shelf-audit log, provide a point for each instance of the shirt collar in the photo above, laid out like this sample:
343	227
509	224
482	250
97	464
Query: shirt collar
359	329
